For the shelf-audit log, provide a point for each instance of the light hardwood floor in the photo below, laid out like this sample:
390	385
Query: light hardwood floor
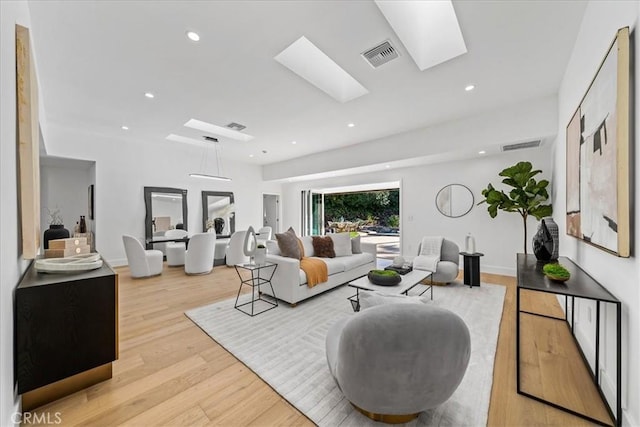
171	373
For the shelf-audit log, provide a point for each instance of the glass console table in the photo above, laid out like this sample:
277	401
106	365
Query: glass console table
580	285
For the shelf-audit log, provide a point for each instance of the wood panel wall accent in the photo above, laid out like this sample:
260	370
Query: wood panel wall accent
28	140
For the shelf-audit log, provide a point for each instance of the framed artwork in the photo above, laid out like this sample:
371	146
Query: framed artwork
598	209
91	189
28	141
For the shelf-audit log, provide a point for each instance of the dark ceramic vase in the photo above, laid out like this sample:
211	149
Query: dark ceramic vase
545	241
55	231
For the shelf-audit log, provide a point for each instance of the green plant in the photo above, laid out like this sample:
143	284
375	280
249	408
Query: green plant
525	197
394	221
353	234
384	273
556	270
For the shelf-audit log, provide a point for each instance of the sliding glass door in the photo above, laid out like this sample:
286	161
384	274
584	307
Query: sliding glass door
312	213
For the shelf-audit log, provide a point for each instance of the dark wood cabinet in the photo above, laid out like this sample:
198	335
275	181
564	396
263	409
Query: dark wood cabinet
65	325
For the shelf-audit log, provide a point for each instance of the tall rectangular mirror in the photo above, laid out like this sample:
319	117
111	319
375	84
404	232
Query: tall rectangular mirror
166	209
218	213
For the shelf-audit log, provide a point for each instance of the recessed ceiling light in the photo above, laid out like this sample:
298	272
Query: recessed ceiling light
124	127
351	125
294	142
193	36
149	95
250	155
482	152
387	166
469	88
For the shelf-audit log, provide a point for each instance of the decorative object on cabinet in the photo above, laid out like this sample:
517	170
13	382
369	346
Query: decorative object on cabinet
166	208
526	196
91	207
546	240
218	213
598	207
56	315
28	145
56	227
83	224
69	264
454	200
54	232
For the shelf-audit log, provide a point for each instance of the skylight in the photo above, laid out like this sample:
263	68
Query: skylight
429	30
306	60
218	130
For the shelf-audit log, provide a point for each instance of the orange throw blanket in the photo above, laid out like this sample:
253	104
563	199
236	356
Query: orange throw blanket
315	269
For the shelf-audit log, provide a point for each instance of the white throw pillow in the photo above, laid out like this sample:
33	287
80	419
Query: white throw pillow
372	298
341	244
307	244
272	247
355	245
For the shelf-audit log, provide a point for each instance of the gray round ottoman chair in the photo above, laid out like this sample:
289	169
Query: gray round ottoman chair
394	361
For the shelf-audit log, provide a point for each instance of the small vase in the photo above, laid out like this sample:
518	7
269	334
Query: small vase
83	224
260	256
55	231
545	241
470	244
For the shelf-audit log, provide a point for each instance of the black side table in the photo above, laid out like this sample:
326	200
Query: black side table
255	281
471	268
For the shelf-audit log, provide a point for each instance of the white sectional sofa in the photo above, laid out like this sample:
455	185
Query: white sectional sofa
290	282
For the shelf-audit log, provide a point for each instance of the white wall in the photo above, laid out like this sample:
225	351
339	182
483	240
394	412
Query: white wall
125	166
619	275
499	239
526	121
12	265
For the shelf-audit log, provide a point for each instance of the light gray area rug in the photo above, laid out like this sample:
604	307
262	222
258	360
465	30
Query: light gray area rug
286	348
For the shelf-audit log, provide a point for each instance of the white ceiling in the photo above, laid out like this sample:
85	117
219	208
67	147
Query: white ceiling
97	59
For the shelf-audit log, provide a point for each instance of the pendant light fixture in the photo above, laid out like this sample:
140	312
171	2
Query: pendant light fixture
203	165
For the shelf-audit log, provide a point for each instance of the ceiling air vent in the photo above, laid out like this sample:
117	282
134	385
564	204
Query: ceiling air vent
210	138
521	145
380	54
236	126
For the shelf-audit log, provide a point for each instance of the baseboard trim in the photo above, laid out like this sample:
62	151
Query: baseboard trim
495	269
118	262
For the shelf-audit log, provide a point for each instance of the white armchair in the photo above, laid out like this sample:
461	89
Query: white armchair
142	263
199	257
175	250
235	253
263	235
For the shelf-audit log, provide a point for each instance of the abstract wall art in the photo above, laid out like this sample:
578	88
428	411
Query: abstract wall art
598	209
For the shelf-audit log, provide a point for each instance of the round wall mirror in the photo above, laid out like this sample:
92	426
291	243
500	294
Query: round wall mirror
454	200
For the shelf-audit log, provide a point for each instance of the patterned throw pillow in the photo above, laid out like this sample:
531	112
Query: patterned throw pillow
289	244
323	247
